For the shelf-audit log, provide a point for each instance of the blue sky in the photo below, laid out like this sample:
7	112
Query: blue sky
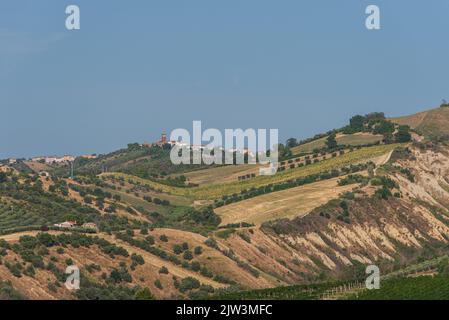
137	68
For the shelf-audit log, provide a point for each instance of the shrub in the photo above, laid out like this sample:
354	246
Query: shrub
149	239
177	249
187	255
195	266
211	242
137	258
163	270
189	283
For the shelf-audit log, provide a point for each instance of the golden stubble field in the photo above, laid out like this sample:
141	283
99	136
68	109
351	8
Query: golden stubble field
290	203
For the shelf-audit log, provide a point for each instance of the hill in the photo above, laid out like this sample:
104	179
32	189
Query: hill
149	162
433	123
315	224
214	192
355	139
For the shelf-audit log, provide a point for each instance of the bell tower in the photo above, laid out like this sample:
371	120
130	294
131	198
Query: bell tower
164	138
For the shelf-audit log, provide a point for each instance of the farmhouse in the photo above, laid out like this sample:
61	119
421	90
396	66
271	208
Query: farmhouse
89	156
89	225
66	224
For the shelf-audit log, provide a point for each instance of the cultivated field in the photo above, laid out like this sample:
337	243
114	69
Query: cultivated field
210	192
346	139
219	175
287	203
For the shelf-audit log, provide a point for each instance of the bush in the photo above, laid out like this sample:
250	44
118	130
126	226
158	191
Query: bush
195	266
198	250
163	270
188	284
211	242
188	255
137	258
383	193
149	239
177	249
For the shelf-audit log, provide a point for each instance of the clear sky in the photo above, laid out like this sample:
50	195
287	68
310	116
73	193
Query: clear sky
137	68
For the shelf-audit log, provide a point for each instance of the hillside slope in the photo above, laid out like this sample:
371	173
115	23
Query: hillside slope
390	233
431	123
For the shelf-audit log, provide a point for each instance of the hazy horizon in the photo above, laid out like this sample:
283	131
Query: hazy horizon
135	70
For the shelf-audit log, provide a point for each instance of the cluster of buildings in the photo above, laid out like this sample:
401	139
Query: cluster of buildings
60	160
53	159
164	141
72	224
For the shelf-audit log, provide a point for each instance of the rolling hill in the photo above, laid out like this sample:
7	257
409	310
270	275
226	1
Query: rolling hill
431	123
314	225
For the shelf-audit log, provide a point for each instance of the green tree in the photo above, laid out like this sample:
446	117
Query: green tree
331	141
356	123
177	249
403	134
384	127
292	142
188	255
198	250
163	270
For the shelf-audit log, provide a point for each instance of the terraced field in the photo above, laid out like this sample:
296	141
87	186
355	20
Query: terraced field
287	203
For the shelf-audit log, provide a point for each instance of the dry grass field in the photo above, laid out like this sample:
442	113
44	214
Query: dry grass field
434	122
413	120
288	203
